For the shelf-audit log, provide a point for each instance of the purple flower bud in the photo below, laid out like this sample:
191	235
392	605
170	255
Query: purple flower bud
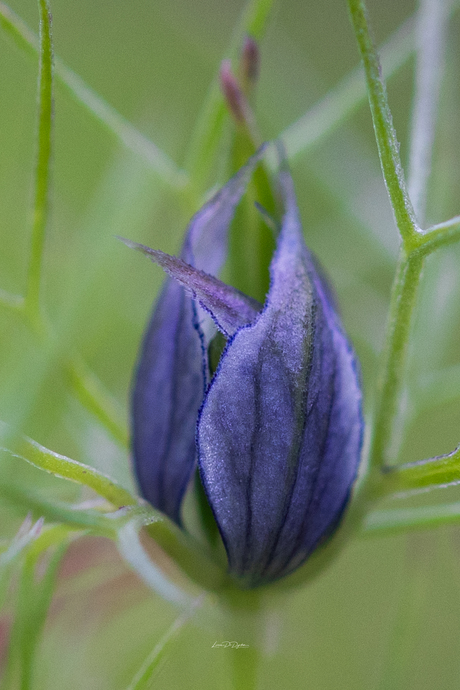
171	375
279	428
250	61
233	94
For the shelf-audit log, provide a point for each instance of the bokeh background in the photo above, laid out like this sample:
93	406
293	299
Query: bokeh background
387	612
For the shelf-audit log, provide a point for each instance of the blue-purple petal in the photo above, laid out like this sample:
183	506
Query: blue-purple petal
171	373
168	391
229	308
280	430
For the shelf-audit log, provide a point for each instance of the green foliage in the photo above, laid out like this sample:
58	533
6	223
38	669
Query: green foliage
60	338
33	598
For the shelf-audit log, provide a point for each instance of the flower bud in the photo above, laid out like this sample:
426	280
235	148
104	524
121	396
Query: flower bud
279	427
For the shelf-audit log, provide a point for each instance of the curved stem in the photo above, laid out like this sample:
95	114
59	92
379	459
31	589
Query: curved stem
423	475
438	236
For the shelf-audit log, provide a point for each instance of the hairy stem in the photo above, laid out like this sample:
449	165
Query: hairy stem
383	124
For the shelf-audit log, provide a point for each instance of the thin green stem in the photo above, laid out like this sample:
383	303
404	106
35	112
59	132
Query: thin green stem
86	386
61	466
74	518
423	475
416	244
115	123
43	164
438	236
391	378
130	547
383	125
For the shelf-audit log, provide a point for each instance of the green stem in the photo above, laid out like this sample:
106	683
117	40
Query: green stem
54	511
61	466
383	125
402	305
437	236
43	165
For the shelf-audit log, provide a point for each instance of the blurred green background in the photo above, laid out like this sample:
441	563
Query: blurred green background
387	613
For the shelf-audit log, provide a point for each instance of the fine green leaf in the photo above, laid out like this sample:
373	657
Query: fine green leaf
130	547
23	499
12	554
32	603
61	466
439	235
423	475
